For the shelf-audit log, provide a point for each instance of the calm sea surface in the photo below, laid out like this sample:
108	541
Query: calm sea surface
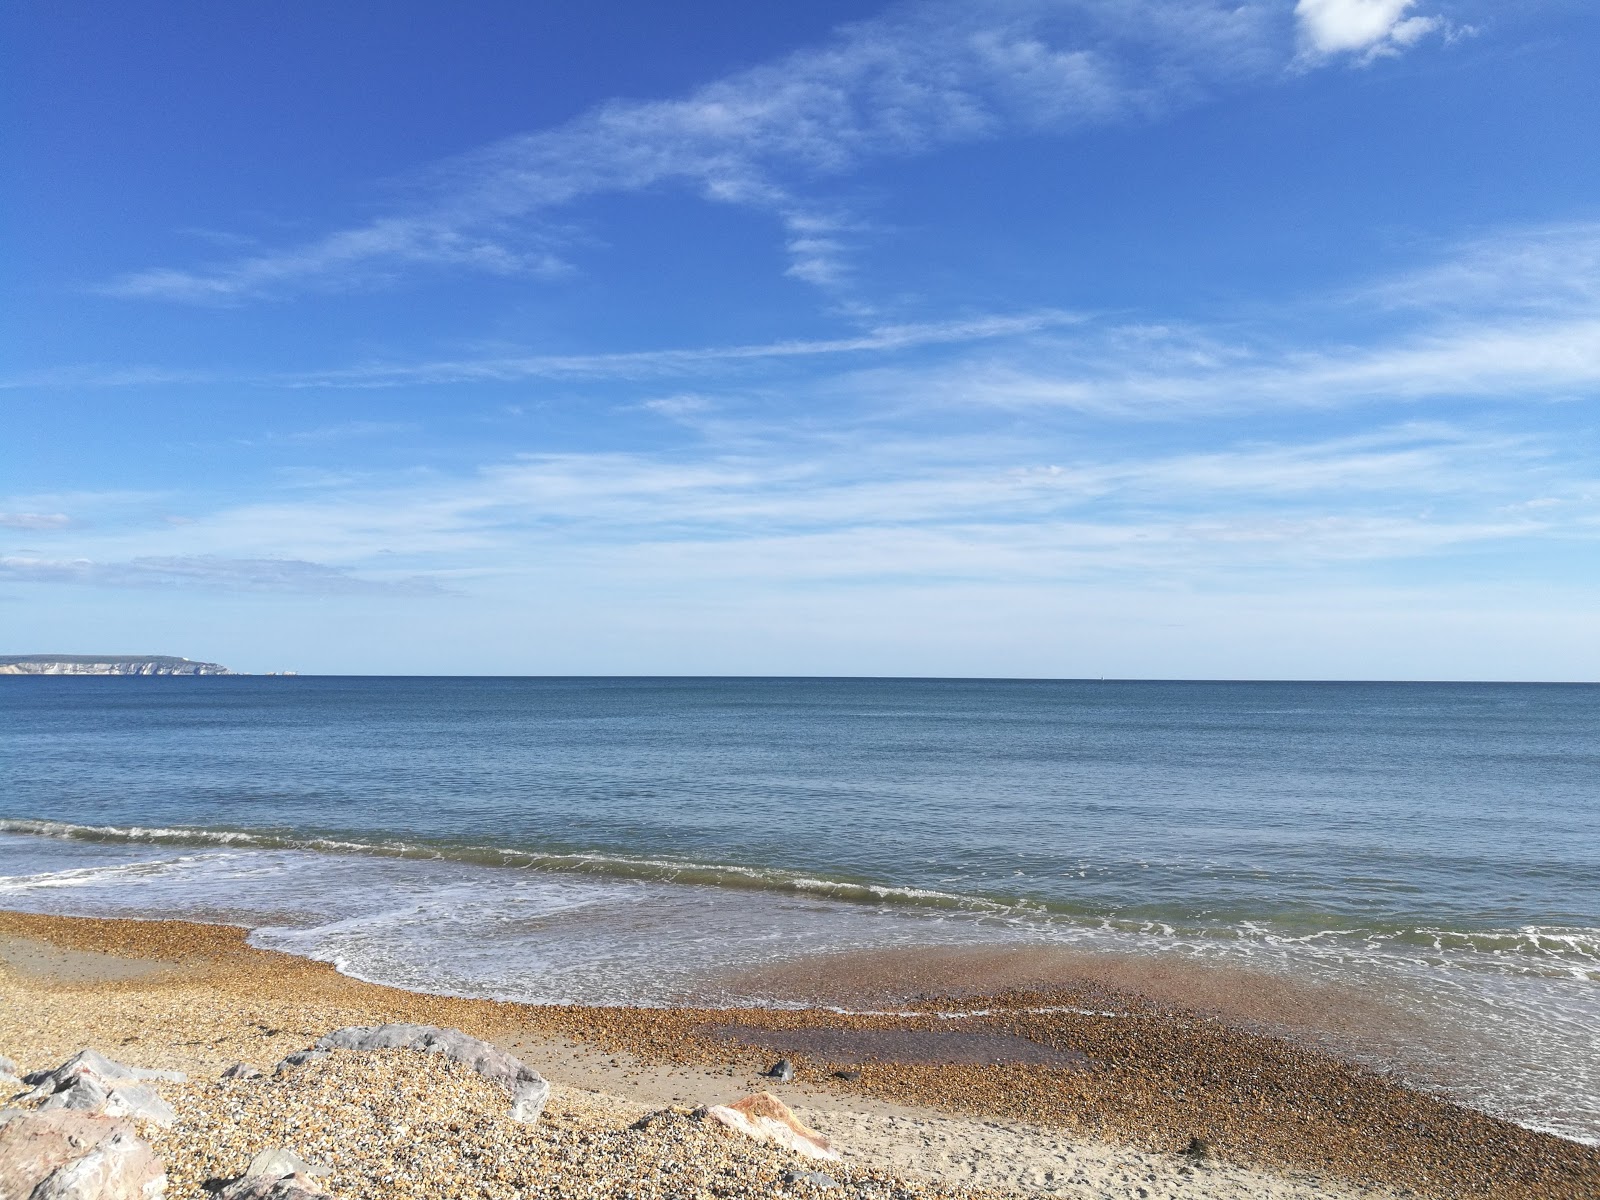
623	840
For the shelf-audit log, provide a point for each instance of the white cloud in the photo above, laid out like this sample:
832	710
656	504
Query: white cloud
1515	361
961	508
648	363
1370	28
1539	269
920	77
210	571
34	520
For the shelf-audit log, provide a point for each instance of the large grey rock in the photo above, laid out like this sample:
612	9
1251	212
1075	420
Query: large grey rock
91	1082
92	1062
529	1090
65	1155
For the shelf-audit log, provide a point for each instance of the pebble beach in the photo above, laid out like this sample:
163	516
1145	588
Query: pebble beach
1088	1090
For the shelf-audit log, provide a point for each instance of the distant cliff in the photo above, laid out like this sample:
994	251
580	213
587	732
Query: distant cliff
105	664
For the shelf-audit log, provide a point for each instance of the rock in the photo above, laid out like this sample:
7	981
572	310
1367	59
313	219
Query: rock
241	1070
91	1082
764	1118
92	1062
298	1058
528	1100
782	1071
529	1090
137	1100
283	1161
8	1066
816	1179
847	1075
65	1155
264	1187
276	1174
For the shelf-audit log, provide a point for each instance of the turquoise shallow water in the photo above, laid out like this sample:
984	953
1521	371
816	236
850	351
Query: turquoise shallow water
620	840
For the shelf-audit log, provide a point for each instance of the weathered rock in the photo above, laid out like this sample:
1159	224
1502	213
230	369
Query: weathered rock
283	1161
276	1174
764	1118
91	1082
529	1090
92	1062
782	1071
8	1066
265	1187
241	1070
298	1058
65	1155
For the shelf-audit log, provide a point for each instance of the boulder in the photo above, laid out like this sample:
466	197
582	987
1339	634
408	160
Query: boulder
91	1082
529	1090
264	1187
277	1174
92	1062
782	1071
762	1117
283	1161
298	1058
241	1070
65	1155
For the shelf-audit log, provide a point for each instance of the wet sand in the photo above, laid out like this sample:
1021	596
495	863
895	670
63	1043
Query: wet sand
1162	1097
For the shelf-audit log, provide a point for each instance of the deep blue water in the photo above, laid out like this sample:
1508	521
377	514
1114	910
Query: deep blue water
615	839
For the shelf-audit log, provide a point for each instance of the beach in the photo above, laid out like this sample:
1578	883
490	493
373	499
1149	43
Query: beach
1086	1090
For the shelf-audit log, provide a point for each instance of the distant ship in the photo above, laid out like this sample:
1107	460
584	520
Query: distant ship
106	664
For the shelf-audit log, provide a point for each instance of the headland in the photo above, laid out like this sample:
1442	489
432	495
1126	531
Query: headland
106	664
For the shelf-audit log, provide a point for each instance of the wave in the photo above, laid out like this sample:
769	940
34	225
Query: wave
608	865
1538	949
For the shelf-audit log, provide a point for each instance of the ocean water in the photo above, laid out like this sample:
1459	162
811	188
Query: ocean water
1433	849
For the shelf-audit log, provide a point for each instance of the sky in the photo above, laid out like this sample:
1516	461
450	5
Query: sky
1123	338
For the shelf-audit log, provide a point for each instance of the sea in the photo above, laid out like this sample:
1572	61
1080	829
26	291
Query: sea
1425	858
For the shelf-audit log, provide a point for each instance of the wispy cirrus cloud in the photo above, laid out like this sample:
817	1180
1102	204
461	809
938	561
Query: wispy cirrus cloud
920	77
34	520
674	361
1512	316
1182	371
209	571
876	509
1533	271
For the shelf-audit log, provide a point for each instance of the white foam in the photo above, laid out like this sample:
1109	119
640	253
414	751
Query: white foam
1523	998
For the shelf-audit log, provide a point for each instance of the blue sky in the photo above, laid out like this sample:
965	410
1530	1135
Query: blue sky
1097	337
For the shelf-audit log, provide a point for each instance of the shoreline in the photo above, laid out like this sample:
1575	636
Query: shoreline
1158	1096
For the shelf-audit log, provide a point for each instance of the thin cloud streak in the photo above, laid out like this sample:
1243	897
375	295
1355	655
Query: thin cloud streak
279	575
642	363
